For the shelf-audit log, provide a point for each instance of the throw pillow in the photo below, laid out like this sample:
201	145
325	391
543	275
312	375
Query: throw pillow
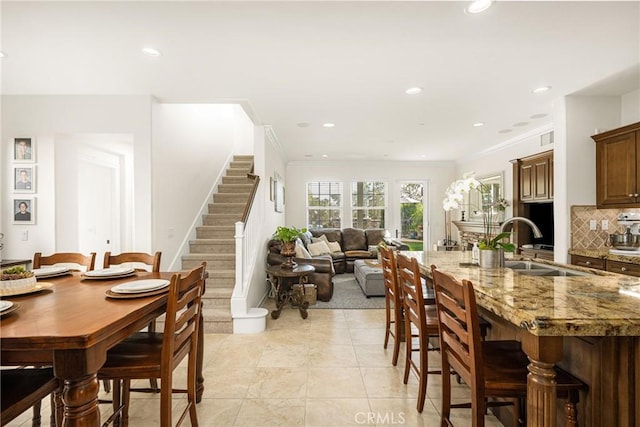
334	246
319	248
322	238
301	251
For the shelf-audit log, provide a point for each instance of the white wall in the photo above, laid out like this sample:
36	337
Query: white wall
438	175
630	107
191	145
46	118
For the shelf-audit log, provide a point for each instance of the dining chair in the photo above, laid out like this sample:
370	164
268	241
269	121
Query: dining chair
419	317
71	260
393	304
490	368
23	388
147	355
140	261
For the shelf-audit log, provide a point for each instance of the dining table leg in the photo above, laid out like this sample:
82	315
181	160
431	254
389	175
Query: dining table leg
200	360
543	353
77	370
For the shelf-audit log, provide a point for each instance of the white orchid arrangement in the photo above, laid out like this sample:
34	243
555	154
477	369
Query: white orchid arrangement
454	200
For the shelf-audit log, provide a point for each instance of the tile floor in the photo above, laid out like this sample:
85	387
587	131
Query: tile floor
327	370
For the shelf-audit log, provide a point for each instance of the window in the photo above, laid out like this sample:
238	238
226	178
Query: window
368	202
324	204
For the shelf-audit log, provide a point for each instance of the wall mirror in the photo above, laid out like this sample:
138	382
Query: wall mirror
486	200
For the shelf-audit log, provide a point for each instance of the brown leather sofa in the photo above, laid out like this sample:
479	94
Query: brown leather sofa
323	275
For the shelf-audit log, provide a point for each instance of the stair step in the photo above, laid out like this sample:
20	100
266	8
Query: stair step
231	198
228	208
235	180
214	261
217	246
235	188
220	219
237	172
215	232
241	164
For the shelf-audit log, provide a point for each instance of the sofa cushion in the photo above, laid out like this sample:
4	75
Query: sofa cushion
301	251
333	234
334	247
353	239
319	248
306	238
375	236
359	254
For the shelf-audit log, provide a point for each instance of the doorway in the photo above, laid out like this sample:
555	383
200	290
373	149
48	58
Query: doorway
410	225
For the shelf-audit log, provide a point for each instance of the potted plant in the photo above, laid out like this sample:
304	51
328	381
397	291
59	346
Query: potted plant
491	246
288	236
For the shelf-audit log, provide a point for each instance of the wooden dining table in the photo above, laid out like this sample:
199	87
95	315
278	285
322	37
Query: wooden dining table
70	326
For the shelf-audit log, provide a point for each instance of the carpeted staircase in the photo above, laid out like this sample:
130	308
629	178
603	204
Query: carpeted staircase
215	244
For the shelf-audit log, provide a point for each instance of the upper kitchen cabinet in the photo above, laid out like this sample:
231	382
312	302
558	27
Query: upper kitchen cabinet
536	177
618	167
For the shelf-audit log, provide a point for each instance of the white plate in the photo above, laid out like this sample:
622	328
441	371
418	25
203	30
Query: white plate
50	271
113	271
5	305
138	286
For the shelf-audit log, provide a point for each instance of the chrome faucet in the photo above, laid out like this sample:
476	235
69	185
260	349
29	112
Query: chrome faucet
536	231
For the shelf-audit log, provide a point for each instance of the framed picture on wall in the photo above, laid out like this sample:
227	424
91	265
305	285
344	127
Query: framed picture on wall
24	149
278	194
24	210
24	179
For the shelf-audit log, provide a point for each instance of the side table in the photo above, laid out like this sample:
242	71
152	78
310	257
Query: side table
284	293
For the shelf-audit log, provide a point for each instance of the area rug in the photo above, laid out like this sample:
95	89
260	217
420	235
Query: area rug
348	294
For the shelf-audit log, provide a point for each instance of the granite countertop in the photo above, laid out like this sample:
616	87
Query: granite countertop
603	253
549	306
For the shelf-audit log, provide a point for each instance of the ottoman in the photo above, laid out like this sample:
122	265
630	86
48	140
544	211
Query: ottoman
369	277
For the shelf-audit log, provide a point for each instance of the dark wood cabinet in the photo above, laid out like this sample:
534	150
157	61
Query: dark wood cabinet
536	177
589	262
618	167
623	268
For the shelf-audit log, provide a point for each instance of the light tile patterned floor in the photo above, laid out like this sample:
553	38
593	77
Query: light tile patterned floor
327	370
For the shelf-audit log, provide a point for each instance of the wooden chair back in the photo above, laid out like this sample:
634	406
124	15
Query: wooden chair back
411	285
72	260
460	338
394	311
180	337
23	388
137	260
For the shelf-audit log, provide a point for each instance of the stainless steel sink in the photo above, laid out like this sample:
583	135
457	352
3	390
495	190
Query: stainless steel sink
530	268
526	265
550	272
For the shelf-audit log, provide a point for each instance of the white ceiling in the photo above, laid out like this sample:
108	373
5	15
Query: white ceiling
348	63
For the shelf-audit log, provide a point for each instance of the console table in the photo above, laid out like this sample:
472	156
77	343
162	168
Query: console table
285	292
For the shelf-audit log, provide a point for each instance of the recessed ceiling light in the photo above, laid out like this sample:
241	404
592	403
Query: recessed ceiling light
149	51
413	90
520	124
504	131
541	89
303	125
325	156
478	124
478	6
308	155
538	116
328	125
2	54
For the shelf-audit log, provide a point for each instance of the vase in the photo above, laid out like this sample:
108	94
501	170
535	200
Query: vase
489	258
289	251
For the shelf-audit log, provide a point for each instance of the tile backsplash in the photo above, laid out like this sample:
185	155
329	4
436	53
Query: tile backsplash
584	238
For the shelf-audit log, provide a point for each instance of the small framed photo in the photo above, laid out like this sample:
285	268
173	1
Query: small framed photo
24	149
24	179
24	210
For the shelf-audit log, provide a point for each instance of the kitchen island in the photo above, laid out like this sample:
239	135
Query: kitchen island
588	324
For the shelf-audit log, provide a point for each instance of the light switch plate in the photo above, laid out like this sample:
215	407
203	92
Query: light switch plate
605	224
593	224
